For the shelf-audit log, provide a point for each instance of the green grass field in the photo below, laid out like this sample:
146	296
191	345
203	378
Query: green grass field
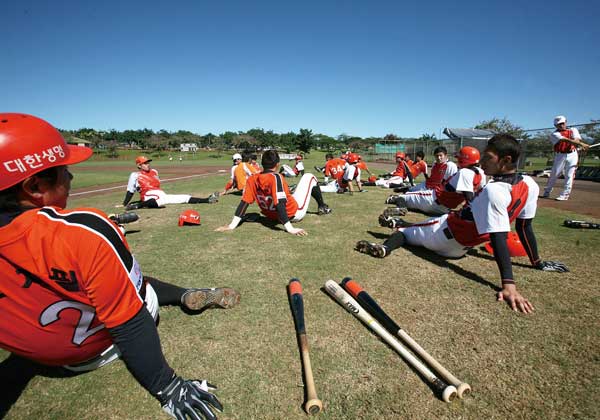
523	367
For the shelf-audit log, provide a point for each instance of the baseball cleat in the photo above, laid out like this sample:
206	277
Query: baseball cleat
391	199
562	197
371	248
393	222
214	197
324	209
395	211
221	297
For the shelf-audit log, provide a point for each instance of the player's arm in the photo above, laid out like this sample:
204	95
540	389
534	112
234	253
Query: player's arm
509	292
237	218
131	188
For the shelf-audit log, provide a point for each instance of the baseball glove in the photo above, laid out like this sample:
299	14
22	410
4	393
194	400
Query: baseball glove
581	224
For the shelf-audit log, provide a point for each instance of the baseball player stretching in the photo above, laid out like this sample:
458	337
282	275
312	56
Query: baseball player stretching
79	307
564	142
147	183
334	168
240	171
508	197
450	194
272	195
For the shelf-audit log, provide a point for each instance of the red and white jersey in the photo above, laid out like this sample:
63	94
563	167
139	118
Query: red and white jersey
562	146
335	168
57	297
418	168
143	182
400	169
299	167
470	179
440	173
267	189
496	206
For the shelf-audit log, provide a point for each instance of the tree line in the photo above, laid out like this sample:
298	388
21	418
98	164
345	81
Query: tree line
304	140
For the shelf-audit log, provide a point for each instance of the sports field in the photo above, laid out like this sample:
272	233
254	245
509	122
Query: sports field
546	365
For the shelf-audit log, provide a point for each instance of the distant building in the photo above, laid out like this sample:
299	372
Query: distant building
79	142
188	147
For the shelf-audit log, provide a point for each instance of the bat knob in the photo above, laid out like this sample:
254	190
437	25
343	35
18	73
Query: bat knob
463	390
449	393
313	406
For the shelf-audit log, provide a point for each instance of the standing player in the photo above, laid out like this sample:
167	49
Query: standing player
564	141
508	197
147	183
76	306
272	195
460	187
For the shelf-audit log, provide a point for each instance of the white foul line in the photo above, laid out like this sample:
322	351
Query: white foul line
125	186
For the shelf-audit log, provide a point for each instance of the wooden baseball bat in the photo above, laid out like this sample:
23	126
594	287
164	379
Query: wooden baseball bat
379	314
313	404
447	392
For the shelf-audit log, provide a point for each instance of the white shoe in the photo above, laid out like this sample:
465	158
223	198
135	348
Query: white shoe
562	197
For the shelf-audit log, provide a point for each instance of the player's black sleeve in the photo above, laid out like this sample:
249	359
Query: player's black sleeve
282	211
524	228
501	254
138	341
128	197
241	208
409	174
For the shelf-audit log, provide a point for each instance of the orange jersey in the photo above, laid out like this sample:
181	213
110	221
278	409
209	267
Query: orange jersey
241	174
418	168
67	276
335	168
400	169
267	189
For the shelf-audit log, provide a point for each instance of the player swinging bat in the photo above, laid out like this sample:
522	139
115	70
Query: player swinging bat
379	314
447	392
313	403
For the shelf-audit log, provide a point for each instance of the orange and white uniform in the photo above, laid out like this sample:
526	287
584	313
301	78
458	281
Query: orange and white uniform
74	292
147	183
241	173
268	188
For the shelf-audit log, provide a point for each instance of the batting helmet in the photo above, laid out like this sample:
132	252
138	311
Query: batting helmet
344	156
189	217
467	156
29	145
515	247
140	160
400	155
352	158
559	119
372	178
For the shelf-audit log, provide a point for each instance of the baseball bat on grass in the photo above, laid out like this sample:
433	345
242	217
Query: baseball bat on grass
379	314
313	404
447	392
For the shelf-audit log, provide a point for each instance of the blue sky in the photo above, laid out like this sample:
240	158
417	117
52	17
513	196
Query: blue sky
355	67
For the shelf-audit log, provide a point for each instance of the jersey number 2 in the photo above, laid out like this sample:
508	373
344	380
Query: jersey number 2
86	317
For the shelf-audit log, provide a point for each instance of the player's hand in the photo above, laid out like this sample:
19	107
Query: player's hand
225	228
183	399
552	266
584	146
298	232
514	299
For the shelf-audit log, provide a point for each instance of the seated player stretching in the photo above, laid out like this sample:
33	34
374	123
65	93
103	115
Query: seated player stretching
461	186
78	307
147	183
272	195
510	196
